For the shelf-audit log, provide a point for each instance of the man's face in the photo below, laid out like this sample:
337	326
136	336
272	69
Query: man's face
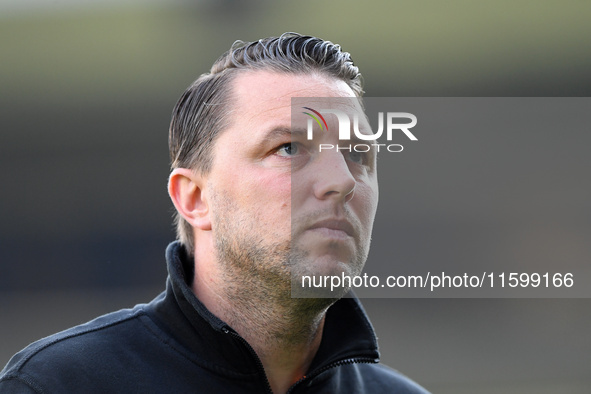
278	204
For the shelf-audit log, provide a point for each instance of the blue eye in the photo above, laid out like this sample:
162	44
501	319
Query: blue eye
287	150
357	157
364	158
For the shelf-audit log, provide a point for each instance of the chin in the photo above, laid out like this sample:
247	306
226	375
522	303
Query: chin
313	278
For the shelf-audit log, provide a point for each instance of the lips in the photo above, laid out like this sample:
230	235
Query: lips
336	227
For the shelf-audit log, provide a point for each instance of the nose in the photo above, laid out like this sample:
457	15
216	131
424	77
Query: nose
333	178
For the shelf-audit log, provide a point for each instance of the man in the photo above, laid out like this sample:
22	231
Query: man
256	202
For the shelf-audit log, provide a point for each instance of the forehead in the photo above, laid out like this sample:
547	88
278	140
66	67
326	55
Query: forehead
258	95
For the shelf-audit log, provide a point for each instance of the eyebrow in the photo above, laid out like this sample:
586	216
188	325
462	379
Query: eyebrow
300	133
279	132
355	139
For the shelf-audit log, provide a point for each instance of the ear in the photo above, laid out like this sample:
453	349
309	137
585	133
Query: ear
185	188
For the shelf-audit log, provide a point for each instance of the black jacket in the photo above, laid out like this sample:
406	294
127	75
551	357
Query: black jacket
175	345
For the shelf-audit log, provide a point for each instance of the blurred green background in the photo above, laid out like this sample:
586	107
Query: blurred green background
86	91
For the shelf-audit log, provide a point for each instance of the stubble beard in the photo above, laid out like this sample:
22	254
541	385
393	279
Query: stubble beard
256	274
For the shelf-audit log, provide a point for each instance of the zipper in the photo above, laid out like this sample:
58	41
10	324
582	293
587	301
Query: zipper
313	374
258	361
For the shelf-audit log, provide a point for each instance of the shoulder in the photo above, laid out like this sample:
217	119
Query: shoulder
379	378
73	354
390	379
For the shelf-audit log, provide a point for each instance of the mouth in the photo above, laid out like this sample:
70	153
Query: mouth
334	228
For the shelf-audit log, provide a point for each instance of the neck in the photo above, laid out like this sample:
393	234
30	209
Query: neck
285	332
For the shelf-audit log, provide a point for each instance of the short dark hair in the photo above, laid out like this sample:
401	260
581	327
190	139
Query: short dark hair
202	111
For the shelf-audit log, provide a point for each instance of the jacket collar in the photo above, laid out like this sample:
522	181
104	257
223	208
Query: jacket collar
347	331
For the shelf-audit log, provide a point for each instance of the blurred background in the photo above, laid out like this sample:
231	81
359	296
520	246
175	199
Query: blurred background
87	88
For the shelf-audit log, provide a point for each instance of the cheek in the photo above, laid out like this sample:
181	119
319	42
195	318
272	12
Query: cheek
267	194
273	206
277	193
366	201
